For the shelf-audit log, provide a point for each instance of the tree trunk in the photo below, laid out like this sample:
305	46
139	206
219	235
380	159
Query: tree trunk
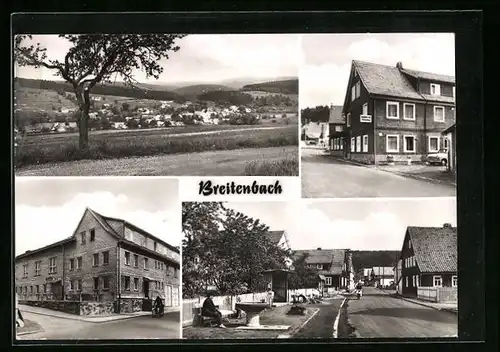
83	138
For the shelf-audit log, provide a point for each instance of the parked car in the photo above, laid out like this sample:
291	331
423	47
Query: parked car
438	158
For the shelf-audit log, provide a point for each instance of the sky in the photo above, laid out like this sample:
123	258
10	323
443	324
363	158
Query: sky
327	60
49	209
356	224
204	58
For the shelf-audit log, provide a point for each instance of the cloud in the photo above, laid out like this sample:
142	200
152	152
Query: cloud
322	84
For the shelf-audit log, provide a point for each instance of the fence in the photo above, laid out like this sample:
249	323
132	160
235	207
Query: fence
438	294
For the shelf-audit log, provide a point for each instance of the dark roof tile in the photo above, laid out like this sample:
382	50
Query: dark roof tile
435	248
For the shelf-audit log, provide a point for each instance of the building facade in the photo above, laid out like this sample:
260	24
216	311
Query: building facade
336	128
382	276
429	263
105	260
395	112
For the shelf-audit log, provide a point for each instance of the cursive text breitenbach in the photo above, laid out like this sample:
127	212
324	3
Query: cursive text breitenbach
206	188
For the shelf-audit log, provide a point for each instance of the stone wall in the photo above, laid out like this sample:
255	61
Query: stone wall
96	308
130	305
71	307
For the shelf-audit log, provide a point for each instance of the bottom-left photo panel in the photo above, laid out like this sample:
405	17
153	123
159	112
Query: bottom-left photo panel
97	258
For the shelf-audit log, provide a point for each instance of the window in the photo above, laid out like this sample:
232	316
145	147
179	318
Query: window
105	258
84	237
44	288
454	281
162	265
433	144
156	265
71	264
392	109
328	281
358	144
79	285
453	92
127	258
353	145
37	288
319	266
95	259
176	272
409	244
52	265
409	144
96	283
437	281
25	270
358	89
136	260
353	93
157	285
409	111
155	245
146	266
406	281
341	143
105	283
446	143
348	119
31	289
79	263
414	283
365	109
365	144
392	143
418	281
72	285
136	284
439	113
92	235
435	89
127	283
37	268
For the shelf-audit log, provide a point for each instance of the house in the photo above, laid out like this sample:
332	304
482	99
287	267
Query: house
106	260
332	265
119	125
336	128
429	263
382	276
397	112
367	272
398	276
450	136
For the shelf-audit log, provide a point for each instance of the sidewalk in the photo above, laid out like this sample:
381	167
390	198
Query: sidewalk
89	319
448	307
416	171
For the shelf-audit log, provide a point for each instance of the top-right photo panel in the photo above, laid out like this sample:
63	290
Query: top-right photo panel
378	115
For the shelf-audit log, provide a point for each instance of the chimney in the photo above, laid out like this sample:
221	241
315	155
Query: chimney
319	248
399	65
447	225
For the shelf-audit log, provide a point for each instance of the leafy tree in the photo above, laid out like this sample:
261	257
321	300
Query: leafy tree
96	59
316	114
303	276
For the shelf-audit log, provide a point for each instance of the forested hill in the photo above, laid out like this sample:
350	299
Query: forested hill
118	89
289	86
369	259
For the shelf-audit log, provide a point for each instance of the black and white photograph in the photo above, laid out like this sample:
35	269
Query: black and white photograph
378	115
156	105
97	259
320	269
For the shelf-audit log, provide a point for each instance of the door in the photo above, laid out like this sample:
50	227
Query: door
56	289
175	296
168	296
145	287
280	287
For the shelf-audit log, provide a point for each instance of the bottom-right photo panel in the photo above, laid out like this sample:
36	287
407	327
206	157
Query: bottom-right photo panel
360	268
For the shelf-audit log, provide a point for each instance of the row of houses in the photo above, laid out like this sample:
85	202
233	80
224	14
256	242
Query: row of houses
396	112
106	260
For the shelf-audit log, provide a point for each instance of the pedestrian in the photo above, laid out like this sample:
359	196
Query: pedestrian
270	295
159	304
210	310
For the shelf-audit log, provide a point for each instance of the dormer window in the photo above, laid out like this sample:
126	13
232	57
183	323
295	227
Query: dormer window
435	89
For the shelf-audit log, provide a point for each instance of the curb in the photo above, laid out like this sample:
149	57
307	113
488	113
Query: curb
399	173
287	336
86	320
337	319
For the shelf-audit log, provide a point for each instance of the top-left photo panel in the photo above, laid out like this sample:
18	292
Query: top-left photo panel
156	105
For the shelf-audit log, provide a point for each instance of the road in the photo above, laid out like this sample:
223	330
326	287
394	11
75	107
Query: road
324	177
378	314
142	327
213	163
321	325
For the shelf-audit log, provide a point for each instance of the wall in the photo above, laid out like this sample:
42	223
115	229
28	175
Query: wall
382	122
355	107
147	242
103	242
446	88
96	308
400	156
130	305
434	126
71	307
438	294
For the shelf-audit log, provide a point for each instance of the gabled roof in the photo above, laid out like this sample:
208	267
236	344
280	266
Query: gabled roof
435	248
383	271
429	76
439	98
336	114
275	236
384	80
335	257
39	250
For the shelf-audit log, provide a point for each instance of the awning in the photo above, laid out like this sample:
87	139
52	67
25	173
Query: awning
322	277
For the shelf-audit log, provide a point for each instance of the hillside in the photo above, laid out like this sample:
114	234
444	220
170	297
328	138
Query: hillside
41	99
368	259
290	86
118	89
228	96
199	89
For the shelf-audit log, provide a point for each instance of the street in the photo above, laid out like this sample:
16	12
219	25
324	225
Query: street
378	314
321	325
142	327
325	177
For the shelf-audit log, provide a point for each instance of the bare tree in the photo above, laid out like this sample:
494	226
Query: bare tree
96	59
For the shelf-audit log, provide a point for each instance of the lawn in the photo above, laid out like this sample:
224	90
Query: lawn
275	316
56	148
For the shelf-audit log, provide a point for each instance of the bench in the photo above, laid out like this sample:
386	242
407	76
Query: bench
200	320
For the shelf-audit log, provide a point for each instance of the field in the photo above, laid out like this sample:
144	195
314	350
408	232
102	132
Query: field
40	99
58	148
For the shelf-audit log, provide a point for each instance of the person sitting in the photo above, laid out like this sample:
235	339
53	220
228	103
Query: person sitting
159	304
210	310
